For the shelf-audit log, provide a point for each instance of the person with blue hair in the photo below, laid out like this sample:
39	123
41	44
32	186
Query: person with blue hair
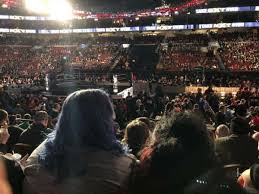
82	155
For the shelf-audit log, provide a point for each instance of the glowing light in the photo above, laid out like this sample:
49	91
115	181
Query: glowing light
4	6
60	10
56	9
37	6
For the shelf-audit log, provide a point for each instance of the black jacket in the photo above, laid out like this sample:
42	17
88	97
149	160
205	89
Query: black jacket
237	149
3	148
34	135
15	133
220	118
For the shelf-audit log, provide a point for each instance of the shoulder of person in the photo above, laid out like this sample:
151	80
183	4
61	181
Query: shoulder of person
34	157
256	136
223	139
17	128
13	167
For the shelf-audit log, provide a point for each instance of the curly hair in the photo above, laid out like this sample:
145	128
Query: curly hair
181	150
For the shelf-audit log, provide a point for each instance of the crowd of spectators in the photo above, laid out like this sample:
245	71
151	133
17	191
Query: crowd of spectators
239	52
200	78
241	55
129	143
26	62
184	52
30	61
93	142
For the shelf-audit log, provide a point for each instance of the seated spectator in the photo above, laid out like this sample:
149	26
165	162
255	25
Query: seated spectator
196	110
148	122
82	155
4	134
25	124
238	148
222	131
55	111
18	117
215	181
14	132
37	132
13	174
169	108
136	135
249	179
181	151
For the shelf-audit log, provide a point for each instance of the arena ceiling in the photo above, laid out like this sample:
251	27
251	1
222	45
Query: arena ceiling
124	5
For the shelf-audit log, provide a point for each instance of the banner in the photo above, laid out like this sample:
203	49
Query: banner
136	29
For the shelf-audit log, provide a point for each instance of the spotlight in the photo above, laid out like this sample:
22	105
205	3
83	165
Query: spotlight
56	9
4	6
37	6
60	10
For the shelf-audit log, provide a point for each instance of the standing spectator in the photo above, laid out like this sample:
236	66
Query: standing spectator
198	95
142	112
209	91
220	117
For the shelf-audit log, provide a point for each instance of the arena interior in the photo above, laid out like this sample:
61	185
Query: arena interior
129	96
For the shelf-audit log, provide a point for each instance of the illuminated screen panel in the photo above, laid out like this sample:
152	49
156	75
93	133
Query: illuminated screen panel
4	17
5	30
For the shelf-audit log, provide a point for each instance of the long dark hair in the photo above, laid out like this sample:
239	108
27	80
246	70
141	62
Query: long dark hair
85	123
